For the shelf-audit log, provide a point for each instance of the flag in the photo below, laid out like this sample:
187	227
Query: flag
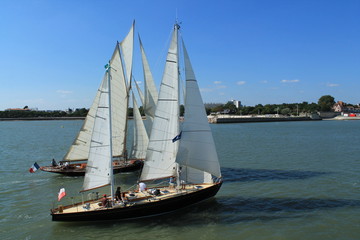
34	168
178	137
62	194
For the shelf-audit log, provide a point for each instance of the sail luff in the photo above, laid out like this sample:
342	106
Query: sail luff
161	151
197	147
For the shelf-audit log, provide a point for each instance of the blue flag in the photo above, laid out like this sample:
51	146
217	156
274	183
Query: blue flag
178	137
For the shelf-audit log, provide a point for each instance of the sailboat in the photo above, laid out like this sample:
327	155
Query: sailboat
183	153
75	161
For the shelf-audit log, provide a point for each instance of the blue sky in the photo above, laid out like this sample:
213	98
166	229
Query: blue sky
52	53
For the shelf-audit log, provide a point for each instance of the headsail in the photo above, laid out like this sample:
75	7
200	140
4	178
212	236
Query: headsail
141	138
197	147
161	152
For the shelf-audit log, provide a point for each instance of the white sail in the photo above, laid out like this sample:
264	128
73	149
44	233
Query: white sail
119	103
141	139
98	168
127	46
79	150
161	152
197	147
151	95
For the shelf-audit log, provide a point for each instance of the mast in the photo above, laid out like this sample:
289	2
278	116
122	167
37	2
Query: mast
110	123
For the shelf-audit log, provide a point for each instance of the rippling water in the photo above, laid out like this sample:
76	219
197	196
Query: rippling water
288	180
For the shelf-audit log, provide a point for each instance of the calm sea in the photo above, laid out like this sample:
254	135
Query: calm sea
288	180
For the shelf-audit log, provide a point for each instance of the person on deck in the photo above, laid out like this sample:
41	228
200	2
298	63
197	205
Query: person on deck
118	194
172	183
105	201
142	187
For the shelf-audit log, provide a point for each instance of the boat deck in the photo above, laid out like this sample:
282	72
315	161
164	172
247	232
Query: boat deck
132	198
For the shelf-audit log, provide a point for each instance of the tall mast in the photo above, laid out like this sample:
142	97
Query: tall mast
110	122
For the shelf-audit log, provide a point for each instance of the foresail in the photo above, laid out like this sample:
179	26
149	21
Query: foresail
141	139
161	152
99	163
79	150
197	147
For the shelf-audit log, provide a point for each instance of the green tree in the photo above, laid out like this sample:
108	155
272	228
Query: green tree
326	103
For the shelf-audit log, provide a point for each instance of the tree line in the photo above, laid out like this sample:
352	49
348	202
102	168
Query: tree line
325	103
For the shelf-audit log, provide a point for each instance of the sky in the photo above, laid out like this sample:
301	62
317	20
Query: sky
52	53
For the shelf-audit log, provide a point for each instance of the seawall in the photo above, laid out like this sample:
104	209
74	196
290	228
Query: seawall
258	119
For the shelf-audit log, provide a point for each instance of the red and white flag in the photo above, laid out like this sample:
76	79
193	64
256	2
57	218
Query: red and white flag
34	168
62	194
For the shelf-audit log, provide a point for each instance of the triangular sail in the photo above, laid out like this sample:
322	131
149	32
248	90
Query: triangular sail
127	46
141	139
119	103
99	163
161	153
119	98
79	150
197	147
151	95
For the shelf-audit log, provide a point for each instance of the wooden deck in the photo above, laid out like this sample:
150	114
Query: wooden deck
132	198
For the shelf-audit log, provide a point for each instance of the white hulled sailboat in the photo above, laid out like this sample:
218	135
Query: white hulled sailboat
186	153
74	162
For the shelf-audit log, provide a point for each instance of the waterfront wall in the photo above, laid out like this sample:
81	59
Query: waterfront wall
217	119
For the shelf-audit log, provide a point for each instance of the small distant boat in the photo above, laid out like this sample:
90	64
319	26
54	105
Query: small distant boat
184	153
75	161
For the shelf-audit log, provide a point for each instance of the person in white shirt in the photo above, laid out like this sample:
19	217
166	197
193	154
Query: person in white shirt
142	187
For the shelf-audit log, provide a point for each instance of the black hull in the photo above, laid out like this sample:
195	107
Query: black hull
137	165
142	210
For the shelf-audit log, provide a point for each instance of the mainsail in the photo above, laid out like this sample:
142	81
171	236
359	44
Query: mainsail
99	165
161	153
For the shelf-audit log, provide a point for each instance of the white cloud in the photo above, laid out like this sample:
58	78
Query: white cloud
264	81
217	82
290	81
221	86
205	90
332	84
64	93
240	82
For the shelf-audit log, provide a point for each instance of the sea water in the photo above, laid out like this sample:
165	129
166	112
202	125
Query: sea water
285	180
